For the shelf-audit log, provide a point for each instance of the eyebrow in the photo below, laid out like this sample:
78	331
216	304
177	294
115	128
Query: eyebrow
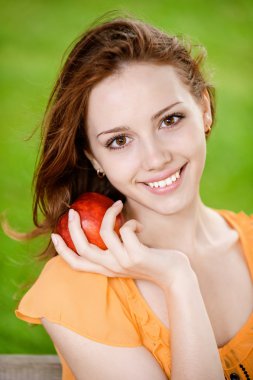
154	117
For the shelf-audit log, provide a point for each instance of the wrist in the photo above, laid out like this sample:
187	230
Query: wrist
182	282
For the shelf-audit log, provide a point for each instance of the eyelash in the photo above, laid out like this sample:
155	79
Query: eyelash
112	139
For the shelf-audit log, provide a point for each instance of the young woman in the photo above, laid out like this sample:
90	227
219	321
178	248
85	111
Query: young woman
172	296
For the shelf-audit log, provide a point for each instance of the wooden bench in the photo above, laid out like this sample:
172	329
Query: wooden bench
30	367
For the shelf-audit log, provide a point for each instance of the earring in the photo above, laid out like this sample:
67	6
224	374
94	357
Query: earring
100	174
208	131
208	123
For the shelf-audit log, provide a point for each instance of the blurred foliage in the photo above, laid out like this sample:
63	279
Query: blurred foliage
34	35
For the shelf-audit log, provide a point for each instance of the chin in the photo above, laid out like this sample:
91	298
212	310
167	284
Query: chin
173	203
170	208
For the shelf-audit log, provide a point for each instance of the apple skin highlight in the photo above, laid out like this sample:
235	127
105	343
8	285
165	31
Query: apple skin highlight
91	207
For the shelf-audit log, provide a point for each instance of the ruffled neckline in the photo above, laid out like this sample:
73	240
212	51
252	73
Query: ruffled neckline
150	321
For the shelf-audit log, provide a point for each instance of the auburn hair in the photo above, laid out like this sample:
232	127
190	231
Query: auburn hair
63	171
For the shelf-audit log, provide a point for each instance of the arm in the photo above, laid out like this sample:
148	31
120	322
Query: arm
194	350
193	346
91	360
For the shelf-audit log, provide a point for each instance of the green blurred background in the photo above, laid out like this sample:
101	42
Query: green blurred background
34	36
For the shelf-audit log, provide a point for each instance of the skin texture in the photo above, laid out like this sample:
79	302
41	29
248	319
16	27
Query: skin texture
150	246
130	98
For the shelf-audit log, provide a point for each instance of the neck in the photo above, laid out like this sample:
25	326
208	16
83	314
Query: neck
191	230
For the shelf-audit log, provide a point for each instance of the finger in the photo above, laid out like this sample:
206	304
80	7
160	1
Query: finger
128	234
77	234
77	262
91	255
107	233
134	225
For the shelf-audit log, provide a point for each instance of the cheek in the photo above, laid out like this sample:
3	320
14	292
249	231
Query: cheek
190	143
199	146
198	154
196	136
120	167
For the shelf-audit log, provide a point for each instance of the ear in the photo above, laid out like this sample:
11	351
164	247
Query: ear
207	113
92	159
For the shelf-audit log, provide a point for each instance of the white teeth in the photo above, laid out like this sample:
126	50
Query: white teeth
166	182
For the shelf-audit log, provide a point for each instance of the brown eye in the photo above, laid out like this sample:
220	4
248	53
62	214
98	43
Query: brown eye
120	140
172	120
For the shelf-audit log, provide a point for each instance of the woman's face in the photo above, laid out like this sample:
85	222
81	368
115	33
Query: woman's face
160	128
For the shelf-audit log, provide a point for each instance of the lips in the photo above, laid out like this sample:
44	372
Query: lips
164	175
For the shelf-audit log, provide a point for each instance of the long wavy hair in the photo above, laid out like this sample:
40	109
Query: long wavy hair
63	171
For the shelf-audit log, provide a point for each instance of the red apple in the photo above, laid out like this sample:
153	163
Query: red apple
91	208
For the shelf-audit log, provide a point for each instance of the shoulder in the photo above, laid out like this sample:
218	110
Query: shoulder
242	227
59	284
236	214
86	303
241	219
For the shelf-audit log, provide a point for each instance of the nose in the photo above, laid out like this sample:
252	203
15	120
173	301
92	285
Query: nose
155	154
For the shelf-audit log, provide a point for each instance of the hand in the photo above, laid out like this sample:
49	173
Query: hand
126	256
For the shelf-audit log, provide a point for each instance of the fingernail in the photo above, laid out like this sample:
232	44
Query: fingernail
54	239
71	214
119	202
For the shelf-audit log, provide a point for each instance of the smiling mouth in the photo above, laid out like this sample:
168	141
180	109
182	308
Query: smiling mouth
168	181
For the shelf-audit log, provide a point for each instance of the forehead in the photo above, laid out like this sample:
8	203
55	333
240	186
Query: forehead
137	89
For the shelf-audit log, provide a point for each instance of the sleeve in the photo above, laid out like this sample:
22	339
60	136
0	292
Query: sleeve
80	301
245	223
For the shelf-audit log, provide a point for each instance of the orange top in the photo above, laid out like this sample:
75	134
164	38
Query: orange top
114	312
